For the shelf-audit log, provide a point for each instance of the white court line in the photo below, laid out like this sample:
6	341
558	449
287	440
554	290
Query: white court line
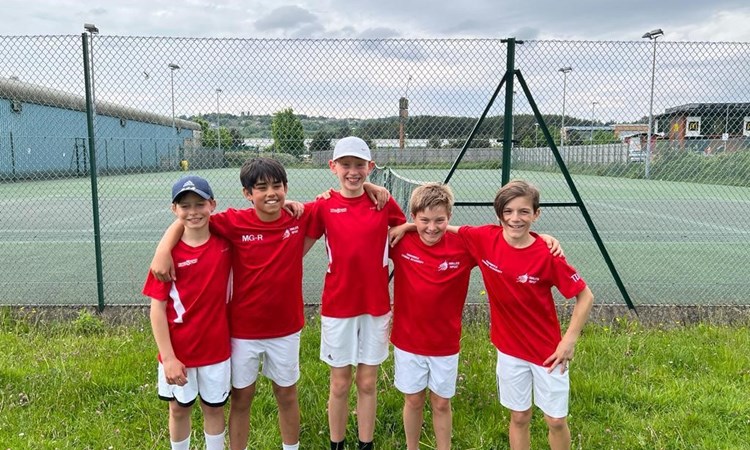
671	217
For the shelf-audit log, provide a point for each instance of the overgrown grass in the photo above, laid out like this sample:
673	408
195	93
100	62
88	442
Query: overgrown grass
86	384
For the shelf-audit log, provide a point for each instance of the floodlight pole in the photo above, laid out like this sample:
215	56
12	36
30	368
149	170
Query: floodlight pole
591	135
652	35
172	68
88	75
565	71
218	126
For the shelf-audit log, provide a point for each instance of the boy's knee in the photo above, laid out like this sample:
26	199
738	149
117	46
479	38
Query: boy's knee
556	423
285	396
179	412
340	385
440	405
415	402
366	385
520	418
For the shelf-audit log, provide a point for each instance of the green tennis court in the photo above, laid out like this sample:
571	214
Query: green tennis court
672	243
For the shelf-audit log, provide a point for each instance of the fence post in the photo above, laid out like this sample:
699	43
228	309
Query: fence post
508	118
92	165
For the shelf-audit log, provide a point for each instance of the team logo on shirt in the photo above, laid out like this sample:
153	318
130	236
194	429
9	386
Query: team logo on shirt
412	258
445	265
491	266
188	262
575	277
526	278
337	210
290	231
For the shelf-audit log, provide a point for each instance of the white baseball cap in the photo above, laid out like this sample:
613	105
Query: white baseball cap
352	146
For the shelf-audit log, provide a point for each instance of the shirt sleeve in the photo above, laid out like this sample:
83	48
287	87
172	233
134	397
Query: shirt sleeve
566	278
316	225
220	224
158	290
395	215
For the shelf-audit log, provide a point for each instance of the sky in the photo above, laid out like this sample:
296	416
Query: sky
717	20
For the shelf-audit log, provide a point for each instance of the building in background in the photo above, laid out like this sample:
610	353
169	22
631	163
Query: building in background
43	131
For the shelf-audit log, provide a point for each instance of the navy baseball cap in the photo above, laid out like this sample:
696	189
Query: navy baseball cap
192	183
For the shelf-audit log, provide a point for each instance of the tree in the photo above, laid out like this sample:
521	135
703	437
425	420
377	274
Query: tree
321	141
287	133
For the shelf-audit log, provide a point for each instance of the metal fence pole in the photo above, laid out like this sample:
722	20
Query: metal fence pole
88	77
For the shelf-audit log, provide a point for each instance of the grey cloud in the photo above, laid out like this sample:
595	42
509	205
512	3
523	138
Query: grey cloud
285	17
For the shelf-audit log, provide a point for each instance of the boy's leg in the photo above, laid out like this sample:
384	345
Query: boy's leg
367	402
559	433
338	402
518	431
213	426
239	416
442	420
286	398
179	422
413	418
246	355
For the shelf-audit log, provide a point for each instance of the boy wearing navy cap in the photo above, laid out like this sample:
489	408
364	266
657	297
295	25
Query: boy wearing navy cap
189	319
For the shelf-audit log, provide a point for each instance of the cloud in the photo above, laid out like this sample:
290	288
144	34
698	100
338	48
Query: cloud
285	18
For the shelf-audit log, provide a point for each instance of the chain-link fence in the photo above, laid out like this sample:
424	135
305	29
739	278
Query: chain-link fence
654	133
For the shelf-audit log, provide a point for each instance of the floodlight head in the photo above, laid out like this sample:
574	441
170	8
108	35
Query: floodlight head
173	66
653	34
91	28
566	69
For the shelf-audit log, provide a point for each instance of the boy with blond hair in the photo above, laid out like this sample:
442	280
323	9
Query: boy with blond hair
189	320
519	274
431	280
355	305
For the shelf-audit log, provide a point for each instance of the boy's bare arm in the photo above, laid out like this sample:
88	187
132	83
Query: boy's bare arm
161	265
174	369
294	208
378	194
396	233
552	244
566	348
309	242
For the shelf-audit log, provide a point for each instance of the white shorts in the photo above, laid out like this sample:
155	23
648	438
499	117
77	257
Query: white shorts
210	382
515	378
354	340
280	357
414	373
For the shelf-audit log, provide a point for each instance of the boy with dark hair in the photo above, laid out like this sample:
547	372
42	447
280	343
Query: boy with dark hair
189	321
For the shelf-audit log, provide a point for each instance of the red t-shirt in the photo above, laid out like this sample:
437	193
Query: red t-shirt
523	319
267	271
356	281
430	286
197	301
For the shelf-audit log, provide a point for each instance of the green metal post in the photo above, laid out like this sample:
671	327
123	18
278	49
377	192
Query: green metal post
92	165
508	118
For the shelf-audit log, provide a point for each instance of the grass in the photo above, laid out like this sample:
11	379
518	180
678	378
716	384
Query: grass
89	384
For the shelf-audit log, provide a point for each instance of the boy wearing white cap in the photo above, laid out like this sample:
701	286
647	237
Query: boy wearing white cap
355	305
189	319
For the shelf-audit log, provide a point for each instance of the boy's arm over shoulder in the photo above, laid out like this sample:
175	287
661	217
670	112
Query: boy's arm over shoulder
161	265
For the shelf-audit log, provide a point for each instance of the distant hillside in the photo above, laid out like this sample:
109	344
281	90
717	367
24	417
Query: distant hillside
417	127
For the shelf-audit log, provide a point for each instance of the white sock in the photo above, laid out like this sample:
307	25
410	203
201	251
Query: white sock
290	446
182	445
215	441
